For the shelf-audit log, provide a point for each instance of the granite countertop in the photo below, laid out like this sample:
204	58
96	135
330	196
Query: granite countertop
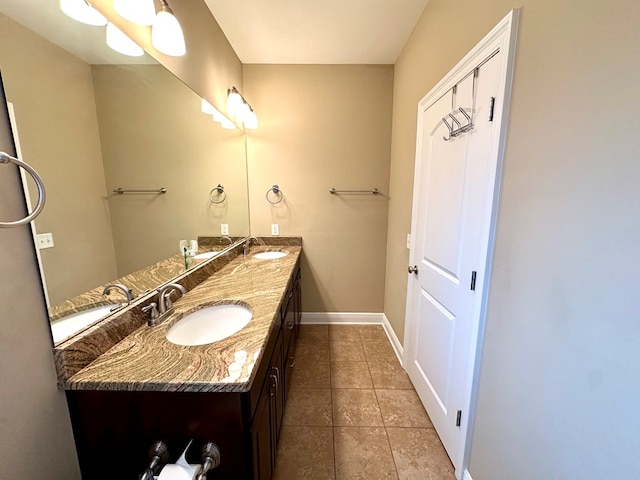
146	361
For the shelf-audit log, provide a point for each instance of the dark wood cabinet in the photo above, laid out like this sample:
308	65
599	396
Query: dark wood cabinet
114	429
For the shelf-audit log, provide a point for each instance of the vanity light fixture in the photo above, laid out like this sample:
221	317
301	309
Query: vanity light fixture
209	109
234	101
142	12
166	33
82	11
118	41
228	124
251	120
239	108
218	117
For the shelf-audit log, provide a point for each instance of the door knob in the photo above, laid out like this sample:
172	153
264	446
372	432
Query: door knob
413	269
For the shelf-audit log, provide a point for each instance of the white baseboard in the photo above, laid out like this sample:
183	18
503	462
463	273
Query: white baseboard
393	338
466	475
324	318
338	318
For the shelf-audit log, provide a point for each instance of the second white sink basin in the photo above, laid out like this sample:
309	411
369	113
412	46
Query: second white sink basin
270	255
209	324
205	255
71	324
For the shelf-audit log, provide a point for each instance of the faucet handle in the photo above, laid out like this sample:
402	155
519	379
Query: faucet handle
153	317
168	304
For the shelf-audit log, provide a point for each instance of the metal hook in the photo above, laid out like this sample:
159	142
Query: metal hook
455	120
444	119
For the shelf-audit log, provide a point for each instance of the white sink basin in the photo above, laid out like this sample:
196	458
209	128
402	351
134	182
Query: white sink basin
210	324
205	255
271	255
67	326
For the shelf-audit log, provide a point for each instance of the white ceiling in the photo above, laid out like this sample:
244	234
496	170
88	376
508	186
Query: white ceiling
317	31
265	31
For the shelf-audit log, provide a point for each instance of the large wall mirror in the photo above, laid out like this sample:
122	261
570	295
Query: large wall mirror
92	122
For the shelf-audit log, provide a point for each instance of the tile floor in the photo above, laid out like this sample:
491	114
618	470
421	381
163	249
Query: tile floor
352	412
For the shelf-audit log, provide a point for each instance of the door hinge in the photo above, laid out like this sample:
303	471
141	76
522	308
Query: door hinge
473	280
458	418
492	104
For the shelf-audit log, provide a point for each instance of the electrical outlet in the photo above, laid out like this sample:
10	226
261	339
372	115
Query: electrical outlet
275	230
44	240
224	229
409	241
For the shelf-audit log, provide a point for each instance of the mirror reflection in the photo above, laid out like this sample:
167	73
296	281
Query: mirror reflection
92	128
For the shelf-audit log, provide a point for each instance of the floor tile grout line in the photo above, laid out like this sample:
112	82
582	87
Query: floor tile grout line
386	434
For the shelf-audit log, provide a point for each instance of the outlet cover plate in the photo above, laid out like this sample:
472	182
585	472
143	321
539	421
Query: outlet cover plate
224	229
44	240
275	230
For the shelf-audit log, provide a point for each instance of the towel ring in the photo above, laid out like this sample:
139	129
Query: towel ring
6	158
219	190
276	191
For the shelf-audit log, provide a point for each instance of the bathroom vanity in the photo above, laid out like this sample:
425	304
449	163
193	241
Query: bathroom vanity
143	388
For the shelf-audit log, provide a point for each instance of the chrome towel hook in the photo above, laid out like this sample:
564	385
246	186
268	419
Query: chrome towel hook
6	158
277	192
217	192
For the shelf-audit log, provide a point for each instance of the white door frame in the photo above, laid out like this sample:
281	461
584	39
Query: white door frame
502	38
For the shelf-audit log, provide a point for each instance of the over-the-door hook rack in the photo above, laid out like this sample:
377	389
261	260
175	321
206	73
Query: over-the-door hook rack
277	192
6	158
217	192
454	132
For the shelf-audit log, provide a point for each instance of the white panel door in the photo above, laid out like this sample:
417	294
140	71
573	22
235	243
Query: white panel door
451	220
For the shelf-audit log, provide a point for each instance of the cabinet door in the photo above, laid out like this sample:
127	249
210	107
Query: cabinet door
289	363
263	459
288	316
297	302
276	392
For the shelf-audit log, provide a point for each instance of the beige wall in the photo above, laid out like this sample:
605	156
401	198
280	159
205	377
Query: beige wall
35	432
558	381
322	127
154	135
52	94
210	66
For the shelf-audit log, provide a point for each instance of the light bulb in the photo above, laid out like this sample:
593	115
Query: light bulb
166	33
251	121
207	107
82	12
243	111
228	124
218	117
141	12
234	101
118	41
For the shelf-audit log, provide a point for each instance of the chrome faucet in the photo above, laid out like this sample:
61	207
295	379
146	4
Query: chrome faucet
127	291
247	243
226	238
165	305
